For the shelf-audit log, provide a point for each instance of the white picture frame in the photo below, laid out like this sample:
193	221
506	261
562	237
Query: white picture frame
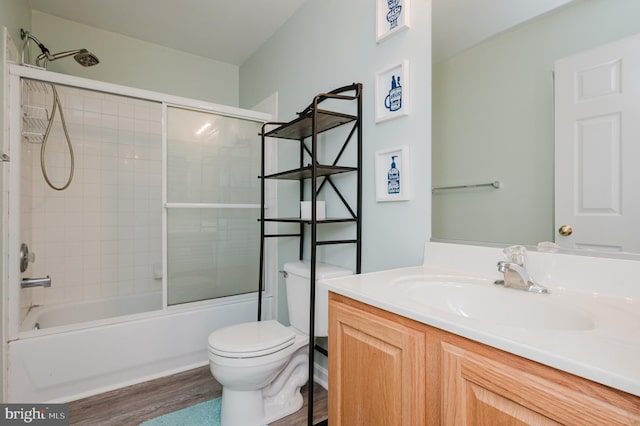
387	187
392	92
392	16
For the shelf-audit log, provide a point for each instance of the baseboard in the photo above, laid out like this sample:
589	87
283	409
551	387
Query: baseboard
321	376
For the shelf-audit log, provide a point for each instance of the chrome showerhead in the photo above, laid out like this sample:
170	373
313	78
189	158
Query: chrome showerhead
86	58
82	56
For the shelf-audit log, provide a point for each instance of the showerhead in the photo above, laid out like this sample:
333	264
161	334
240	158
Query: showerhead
86	58
82	56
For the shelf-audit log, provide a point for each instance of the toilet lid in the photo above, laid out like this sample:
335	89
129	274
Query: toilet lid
250	339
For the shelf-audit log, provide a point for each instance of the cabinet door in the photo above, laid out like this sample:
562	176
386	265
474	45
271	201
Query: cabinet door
376	370
477	390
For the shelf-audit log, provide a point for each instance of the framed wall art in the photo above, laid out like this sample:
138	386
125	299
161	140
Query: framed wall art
392	94
392	16
393	174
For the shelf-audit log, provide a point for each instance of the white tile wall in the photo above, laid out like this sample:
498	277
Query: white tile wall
101	237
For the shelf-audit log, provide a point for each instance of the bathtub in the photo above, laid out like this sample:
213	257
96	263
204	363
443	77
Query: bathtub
88	313
62	362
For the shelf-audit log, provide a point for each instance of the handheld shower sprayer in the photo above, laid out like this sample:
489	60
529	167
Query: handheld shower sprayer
82	56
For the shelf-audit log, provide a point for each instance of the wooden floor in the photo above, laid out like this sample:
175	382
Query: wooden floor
135	404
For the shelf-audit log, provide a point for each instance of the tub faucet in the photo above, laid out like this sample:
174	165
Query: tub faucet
516	276
36	282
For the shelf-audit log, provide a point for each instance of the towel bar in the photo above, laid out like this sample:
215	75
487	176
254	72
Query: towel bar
495	184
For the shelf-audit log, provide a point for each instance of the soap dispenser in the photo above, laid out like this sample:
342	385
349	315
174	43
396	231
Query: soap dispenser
393	177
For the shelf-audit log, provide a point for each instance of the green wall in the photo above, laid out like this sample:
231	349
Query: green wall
331	43
493	119
328	44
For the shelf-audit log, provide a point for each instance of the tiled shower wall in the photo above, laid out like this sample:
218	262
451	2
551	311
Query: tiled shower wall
101	237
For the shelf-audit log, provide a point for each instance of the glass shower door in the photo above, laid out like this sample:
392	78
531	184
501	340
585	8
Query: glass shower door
213	202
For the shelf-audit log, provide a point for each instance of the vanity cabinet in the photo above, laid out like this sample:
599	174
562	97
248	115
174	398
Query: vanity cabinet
385	369
488	390
377	367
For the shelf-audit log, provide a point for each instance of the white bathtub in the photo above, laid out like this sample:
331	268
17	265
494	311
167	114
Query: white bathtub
86	313
63	362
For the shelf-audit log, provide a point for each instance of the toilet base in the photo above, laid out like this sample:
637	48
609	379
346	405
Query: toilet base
283	396
247	408
242	408
279	399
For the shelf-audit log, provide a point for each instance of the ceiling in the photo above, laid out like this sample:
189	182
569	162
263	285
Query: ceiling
231	30
225	30
460	24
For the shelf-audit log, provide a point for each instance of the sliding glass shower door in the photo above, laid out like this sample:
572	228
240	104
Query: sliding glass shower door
213	202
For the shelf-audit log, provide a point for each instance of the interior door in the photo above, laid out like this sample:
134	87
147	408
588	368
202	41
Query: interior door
597	148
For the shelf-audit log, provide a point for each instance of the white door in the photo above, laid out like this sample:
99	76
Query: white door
597	148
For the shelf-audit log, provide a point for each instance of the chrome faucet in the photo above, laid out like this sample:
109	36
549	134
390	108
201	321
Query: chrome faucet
516	276
515	272
36	282
27	257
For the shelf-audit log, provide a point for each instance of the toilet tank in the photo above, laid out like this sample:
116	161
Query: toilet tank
297	278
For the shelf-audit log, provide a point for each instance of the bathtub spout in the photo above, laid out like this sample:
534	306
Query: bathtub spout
36	282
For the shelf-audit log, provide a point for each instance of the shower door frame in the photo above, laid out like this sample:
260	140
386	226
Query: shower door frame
12	237
177	206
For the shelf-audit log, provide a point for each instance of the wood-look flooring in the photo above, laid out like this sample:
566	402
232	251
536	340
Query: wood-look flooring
135	404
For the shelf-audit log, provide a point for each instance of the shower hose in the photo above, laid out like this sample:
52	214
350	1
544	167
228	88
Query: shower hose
56	105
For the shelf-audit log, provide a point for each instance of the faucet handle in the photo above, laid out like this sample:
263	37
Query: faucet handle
516	254
26	257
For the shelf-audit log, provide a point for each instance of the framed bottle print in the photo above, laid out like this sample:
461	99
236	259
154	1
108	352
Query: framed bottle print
393	174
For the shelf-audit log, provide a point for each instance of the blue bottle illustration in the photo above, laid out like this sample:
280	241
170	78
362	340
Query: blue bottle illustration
393	177
395	9
393	101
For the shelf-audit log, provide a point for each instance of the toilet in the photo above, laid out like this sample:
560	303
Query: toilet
262	365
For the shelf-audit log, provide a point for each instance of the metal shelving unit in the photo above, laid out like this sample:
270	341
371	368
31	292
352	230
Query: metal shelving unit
305	129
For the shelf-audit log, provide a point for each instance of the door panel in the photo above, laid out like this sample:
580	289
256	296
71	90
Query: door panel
213	202
597	147
488	392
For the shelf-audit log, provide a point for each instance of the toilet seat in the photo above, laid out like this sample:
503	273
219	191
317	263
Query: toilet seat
251	339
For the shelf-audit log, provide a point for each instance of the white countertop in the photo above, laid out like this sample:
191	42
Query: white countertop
606	351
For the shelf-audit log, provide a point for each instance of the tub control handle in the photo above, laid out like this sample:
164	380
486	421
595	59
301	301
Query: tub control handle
26	257
36	282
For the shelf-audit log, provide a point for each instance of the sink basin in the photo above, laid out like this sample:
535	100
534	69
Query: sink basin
479	299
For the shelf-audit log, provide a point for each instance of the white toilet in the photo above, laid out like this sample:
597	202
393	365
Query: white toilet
262	365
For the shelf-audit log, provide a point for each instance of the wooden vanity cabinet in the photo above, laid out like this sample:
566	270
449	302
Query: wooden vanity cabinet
385	369
377	368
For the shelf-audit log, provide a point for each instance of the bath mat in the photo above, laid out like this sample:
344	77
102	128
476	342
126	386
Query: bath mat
204	414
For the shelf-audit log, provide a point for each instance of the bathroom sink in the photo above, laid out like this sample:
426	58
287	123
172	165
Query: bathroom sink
479	299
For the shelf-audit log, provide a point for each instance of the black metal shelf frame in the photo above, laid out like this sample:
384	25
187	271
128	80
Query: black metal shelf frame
306	172
309	123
